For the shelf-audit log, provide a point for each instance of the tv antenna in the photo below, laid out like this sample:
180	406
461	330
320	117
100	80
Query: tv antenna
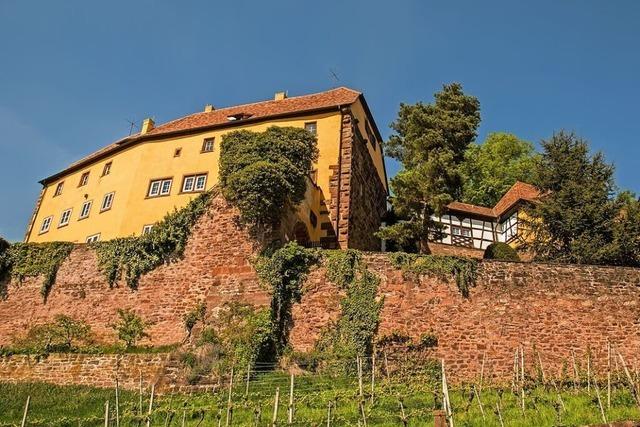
334	76
132	124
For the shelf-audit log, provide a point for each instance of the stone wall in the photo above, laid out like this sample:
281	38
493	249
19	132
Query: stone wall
557	308
216	268
90	370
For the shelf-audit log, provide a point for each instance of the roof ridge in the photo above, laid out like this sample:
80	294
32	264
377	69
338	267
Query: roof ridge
258	102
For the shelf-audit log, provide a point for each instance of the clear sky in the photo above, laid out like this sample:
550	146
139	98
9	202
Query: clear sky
72	72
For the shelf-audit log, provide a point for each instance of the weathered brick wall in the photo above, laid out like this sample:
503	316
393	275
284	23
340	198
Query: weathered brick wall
215	268
557	308
90	370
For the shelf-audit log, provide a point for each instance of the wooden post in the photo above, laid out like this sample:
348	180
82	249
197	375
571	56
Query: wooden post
373	375
229	408
514	379
475	391
588	369
499	414
364	414
604	418
386	364
290	418
246	391
544	377
632	384
26	411
274	420
522	377
153	390
106	414
329	415
117	403
608	375
140	405
445	396
484	356
359	366
403	416
184	416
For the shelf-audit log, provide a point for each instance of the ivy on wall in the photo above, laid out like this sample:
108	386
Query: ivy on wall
284	270
131	257
22	260
464	270
354	332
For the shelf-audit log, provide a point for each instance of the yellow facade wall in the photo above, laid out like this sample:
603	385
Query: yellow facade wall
133	169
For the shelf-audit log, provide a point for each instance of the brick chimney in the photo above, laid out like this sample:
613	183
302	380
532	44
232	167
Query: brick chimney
209	108
280	96
147	125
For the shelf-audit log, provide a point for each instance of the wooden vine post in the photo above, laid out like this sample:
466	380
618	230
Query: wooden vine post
608	375
229	402
359	367
445	397
290	414
140	404
26	411
373	375
274	420
117	403
522	377
106	414
153	390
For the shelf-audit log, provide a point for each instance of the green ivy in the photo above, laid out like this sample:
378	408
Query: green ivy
22	260
463	269
131	257
355	330
284	270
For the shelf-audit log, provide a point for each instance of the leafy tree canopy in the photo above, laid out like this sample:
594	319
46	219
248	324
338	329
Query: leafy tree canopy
430	140
491	168
264	173
577	219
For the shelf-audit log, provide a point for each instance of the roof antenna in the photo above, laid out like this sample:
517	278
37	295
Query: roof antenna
132	124
334	76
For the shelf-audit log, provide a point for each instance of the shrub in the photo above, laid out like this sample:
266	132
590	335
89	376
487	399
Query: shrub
501	251
64	334
130	327
192	317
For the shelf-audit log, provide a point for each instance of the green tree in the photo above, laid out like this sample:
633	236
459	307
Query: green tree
430	141
625	247
130	327
573	221
264	173
491	168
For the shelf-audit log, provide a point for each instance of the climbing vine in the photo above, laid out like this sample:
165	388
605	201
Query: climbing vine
131	257
464	270
22	260
354	331
284	271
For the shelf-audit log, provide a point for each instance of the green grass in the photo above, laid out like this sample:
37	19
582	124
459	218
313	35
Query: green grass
84	406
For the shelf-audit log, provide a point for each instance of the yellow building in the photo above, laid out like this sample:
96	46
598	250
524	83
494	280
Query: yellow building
127	186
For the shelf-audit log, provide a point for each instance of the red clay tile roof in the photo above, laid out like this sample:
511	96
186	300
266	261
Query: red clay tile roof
520	191
219	117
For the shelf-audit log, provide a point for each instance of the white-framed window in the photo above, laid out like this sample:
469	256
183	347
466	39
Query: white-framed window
65	217
160	187
84	179
147	229
192	183
311	127
107	202
93	238
107	169
86	208
59	188
207	145
459	231
46	224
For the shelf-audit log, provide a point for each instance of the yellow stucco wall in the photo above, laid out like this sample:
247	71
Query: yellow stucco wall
134	168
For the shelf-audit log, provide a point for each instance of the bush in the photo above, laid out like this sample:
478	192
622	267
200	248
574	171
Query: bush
130	327
501	251
64	334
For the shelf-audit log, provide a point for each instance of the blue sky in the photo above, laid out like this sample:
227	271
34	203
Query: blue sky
73	72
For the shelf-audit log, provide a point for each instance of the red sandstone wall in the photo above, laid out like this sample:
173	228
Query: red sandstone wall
556	308
91	370
216	267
